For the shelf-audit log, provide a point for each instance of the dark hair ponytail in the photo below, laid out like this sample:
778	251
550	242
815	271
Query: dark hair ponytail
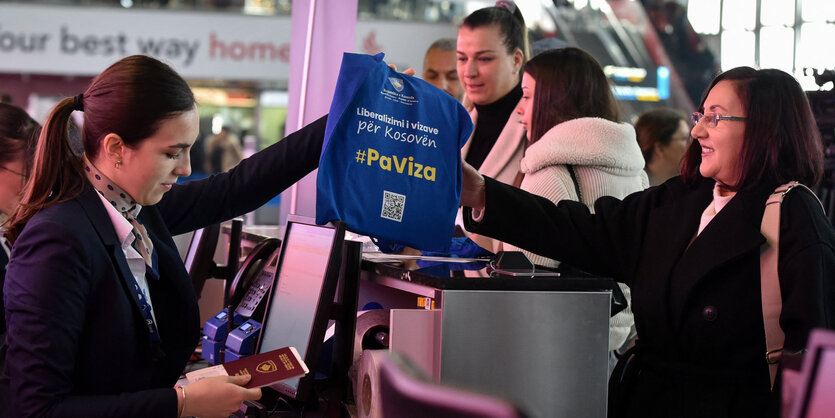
131	98
511	24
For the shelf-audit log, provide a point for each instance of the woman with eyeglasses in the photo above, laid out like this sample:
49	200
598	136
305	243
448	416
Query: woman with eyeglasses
18	136
690	251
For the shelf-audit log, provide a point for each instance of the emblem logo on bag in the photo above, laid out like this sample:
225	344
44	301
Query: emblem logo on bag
397	83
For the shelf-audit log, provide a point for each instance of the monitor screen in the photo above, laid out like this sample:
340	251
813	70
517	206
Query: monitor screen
301	298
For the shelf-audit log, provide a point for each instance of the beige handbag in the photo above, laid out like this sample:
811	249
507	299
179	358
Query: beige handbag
771	298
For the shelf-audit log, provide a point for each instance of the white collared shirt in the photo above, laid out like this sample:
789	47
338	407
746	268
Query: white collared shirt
714	207
124	231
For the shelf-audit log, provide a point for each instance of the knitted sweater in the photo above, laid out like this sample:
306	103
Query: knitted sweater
607	162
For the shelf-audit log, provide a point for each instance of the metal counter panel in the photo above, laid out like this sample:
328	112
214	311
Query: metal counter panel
547	351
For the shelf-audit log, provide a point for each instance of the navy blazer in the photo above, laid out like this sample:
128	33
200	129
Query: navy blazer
697	306
77	344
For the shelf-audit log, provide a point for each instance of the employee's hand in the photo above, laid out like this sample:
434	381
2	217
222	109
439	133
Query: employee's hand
408	71
472	194
217	396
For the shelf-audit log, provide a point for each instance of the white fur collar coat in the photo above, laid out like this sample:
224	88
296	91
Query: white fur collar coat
607	161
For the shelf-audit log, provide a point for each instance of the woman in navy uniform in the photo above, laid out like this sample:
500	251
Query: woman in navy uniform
102	315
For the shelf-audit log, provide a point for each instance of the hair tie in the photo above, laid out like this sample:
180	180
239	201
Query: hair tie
507	5
78	102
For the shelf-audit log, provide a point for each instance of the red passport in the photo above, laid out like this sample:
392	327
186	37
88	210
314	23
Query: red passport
265	369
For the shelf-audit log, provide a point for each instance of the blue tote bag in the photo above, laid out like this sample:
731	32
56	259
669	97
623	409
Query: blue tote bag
391	163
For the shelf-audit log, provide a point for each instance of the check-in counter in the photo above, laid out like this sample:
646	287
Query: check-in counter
541	342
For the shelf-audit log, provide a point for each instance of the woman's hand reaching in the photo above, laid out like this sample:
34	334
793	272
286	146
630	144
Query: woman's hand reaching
472	193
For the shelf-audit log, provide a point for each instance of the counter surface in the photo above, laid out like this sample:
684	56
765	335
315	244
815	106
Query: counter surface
449	276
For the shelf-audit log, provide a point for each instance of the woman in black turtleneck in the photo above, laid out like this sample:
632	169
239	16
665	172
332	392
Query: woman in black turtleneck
492	119
492	45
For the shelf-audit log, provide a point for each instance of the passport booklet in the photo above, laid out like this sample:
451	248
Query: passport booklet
265	369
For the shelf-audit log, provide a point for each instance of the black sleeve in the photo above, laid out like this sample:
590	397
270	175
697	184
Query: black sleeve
606	242
247	186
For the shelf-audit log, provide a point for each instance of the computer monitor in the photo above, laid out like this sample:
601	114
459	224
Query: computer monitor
199	259
301	299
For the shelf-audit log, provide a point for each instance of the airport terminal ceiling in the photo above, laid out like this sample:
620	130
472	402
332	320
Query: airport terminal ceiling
655	51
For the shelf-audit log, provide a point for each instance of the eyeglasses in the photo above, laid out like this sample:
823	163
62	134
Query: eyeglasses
712	119
22	176
13	171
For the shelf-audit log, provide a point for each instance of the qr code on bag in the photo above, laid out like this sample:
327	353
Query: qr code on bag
393	206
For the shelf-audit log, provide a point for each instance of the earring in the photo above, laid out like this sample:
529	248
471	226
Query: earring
118	163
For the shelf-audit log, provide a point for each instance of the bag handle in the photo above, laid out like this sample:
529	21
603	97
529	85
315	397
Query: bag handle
772	301
576	182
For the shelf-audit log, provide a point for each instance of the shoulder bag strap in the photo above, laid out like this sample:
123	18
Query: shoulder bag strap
517	182
576	182
772	301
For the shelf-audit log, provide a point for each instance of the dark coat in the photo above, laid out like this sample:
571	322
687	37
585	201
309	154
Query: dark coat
697	305
77	344
4	260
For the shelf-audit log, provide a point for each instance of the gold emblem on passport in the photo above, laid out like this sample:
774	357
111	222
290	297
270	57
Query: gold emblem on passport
266	367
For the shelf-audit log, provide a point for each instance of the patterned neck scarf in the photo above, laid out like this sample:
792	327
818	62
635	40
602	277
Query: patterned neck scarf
125	205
